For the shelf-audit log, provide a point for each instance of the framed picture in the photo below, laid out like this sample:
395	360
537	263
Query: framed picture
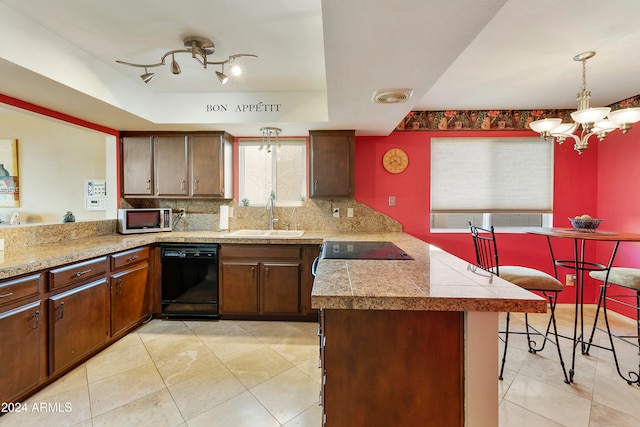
9	189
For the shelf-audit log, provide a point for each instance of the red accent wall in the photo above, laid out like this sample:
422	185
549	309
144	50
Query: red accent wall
618	193
575	192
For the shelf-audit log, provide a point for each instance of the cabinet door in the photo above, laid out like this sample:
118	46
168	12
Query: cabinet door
331	171
78	323
21	350
206	165
137	166
239	292
170	165
129	297
280	287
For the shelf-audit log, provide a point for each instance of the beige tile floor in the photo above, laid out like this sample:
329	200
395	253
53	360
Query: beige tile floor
250	373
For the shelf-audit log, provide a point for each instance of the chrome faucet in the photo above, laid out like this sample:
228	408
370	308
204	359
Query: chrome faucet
270	209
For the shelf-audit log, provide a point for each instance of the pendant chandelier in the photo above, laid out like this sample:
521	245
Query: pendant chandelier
269	135
597	121
199	48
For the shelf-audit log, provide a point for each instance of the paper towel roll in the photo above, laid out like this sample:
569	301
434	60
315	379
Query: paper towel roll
224	217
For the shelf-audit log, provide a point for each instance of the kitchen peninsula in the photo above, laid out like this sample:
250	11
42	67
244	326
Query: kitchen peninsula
411	342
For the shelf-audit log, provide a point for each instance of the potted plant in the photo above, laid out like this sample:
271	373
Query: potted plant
245	202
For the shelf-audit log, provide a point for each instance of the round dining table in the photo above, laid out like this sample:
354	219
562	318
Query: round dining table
580	266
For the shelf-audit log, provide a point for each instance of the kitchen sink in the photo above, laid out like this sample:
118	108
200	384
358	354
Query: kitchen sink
266	233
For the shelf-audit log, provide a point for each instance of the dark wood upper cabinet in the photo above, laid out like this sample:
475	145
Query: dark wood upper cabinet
137	166
169	165
331	160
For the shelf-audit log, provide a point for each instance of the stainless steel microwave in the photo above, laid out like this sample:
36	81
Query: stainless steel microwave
149	220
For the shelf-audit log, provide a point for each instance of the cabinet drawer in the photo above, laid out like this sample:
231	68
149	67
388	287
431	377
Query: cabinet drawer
22	287
261	251
133	256
76	273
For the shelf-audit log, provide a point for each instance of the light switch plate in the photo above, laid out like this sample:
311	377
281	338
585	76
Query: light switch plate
349	212
336	212
392	200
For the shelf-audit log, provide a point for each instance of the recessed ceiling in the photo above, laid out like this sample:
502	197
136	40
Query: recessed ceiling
322	59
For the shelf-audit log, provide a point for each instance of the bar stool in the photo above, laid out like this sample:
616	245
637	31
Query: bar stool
486	251
627	278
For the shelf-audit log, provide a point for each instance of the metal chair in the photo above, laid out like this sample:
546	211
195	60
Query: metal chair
627	278
486	250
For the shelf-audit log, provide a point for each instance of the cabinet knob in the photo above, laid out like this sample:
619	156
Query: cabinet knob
148	184
195	185
182	184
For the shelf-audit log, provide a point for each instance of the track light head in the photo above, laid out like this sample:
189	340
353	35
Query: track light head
175	68
222	77
147	77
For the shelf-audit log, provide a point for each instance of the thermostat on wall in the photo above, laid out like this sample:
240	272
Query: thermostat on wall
95	194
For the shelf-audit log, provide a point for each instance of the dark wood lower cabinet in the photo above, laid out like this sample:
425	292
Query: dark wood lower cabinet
392	368
240	292
129	304
78	323
266	281
53	320
21	350
281	287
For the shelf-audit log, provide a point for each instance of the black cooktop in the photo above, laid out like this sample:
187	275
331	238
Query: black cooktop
363	250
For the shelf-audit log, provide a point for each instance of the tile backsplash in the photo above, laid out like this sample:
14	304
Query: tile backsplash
316	215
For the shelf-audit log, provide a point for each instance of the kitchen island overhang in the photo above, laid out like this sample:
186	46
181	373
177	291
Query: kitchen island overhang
421	334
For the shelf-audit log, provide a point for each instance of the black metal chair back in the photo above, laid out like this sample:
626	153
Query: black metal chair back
484	243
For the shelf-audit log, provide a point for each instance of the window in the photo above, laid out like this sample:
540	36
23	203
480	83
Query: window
281	172
507	182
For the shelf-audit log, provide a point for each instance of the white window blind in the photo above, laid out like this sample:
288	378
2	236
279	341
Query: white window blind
491	175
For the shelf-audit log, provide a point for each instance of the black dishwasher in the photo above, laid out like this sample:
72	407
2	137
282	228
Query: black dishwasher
189	280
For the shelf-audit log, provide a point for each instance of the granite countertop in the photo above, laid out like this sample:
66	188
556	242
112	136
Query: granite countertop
23	260
435	280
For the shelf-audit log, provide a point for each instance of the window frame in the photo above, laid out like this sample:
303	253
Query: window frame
257	142
492	143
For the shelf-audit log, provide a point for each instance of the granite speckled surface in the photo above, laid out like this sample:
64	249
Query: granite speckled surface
26	259
434	280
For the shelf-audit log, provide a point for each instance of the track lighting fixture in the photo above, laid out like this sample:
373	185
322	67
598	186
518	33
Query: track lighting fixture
199	48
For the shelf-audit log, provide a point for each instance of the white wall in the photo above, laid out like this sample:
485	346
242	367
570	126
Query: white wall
54	160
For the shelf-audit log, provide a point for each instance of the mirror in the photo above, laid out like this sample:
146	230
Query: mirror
56	159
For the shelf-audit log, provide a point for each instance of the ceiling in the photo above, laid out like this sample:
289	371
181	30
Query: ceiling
319	60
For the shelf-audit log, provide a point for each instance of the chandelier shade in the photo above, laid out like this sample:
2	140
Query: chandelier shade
199	49
590	115
597	121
